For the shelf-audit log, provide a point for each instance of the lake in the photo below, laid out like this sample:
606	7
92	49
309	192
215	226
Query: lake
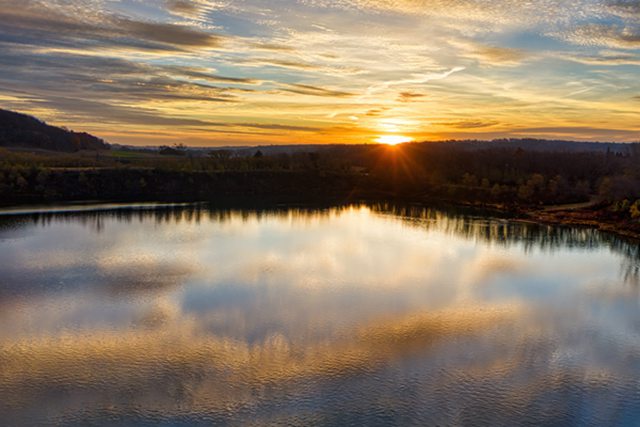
352	315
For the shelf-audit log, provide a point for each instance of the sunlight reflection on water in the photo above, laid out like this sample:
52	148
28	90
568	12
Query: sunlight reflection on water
363	315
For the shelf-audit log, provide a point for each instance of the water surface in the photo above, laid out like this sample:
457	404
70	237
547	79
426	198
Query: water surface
357	315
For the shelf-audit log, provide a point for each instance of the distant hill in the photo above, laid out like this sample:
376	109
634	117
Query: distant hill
545	145
21	130
526	144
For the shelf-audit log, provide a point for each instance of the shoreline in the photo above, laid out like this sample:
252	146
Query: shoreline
604	225
590	216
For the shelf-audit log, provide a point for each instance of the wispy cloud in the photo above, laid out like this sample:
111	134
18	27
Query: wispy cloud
469	124
415	79
613	36
410	96
625	8
602	58
39	23
303	89
488	55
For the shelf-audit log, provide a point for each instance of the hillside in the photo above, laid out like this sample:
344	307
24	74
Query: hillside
546	145
21	130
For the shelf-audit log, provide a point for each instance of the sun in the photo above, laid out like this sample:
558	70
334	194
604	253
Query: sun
393	139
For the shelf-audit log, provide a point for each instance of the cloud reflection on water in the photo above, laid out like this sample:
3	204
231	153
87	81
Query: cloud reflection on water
193	315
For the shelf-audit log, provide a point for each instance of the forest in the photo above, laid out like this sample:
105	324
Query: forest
418	171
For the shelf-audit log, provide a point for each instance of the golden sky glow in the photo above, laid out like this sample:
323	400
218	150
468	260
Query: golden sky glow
215	72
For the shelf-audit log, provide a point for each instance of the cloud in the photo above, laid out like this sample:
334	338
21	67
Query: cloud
193	9
495	54
416	79
616	37
281	63
602	58
272	47
374	112
469	124
303	89
41	24
625	8
491	55
116	113
477	14
183	7
108	79
171	34
204	74
407	96
279	127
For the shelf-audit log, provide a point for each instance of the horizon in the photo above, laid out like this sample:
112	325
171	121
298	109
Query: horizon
452	141
292	144
241	74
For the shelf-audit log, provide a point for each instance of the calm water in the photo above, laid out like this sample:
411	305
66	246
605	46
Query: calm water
361	315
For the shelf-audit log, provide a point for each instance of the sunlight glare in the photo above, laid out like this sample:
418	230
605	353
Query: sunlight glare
393	139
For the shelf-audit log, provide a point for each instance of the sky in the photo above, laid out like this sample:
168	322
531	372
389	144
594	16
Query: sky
253	72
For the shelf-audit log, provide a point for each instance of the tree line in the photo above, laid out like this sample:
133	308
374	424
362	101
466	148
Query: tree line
508	177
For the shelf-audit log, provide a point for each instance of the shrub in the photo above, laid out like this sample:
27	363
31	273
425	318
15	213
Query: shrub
634	210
